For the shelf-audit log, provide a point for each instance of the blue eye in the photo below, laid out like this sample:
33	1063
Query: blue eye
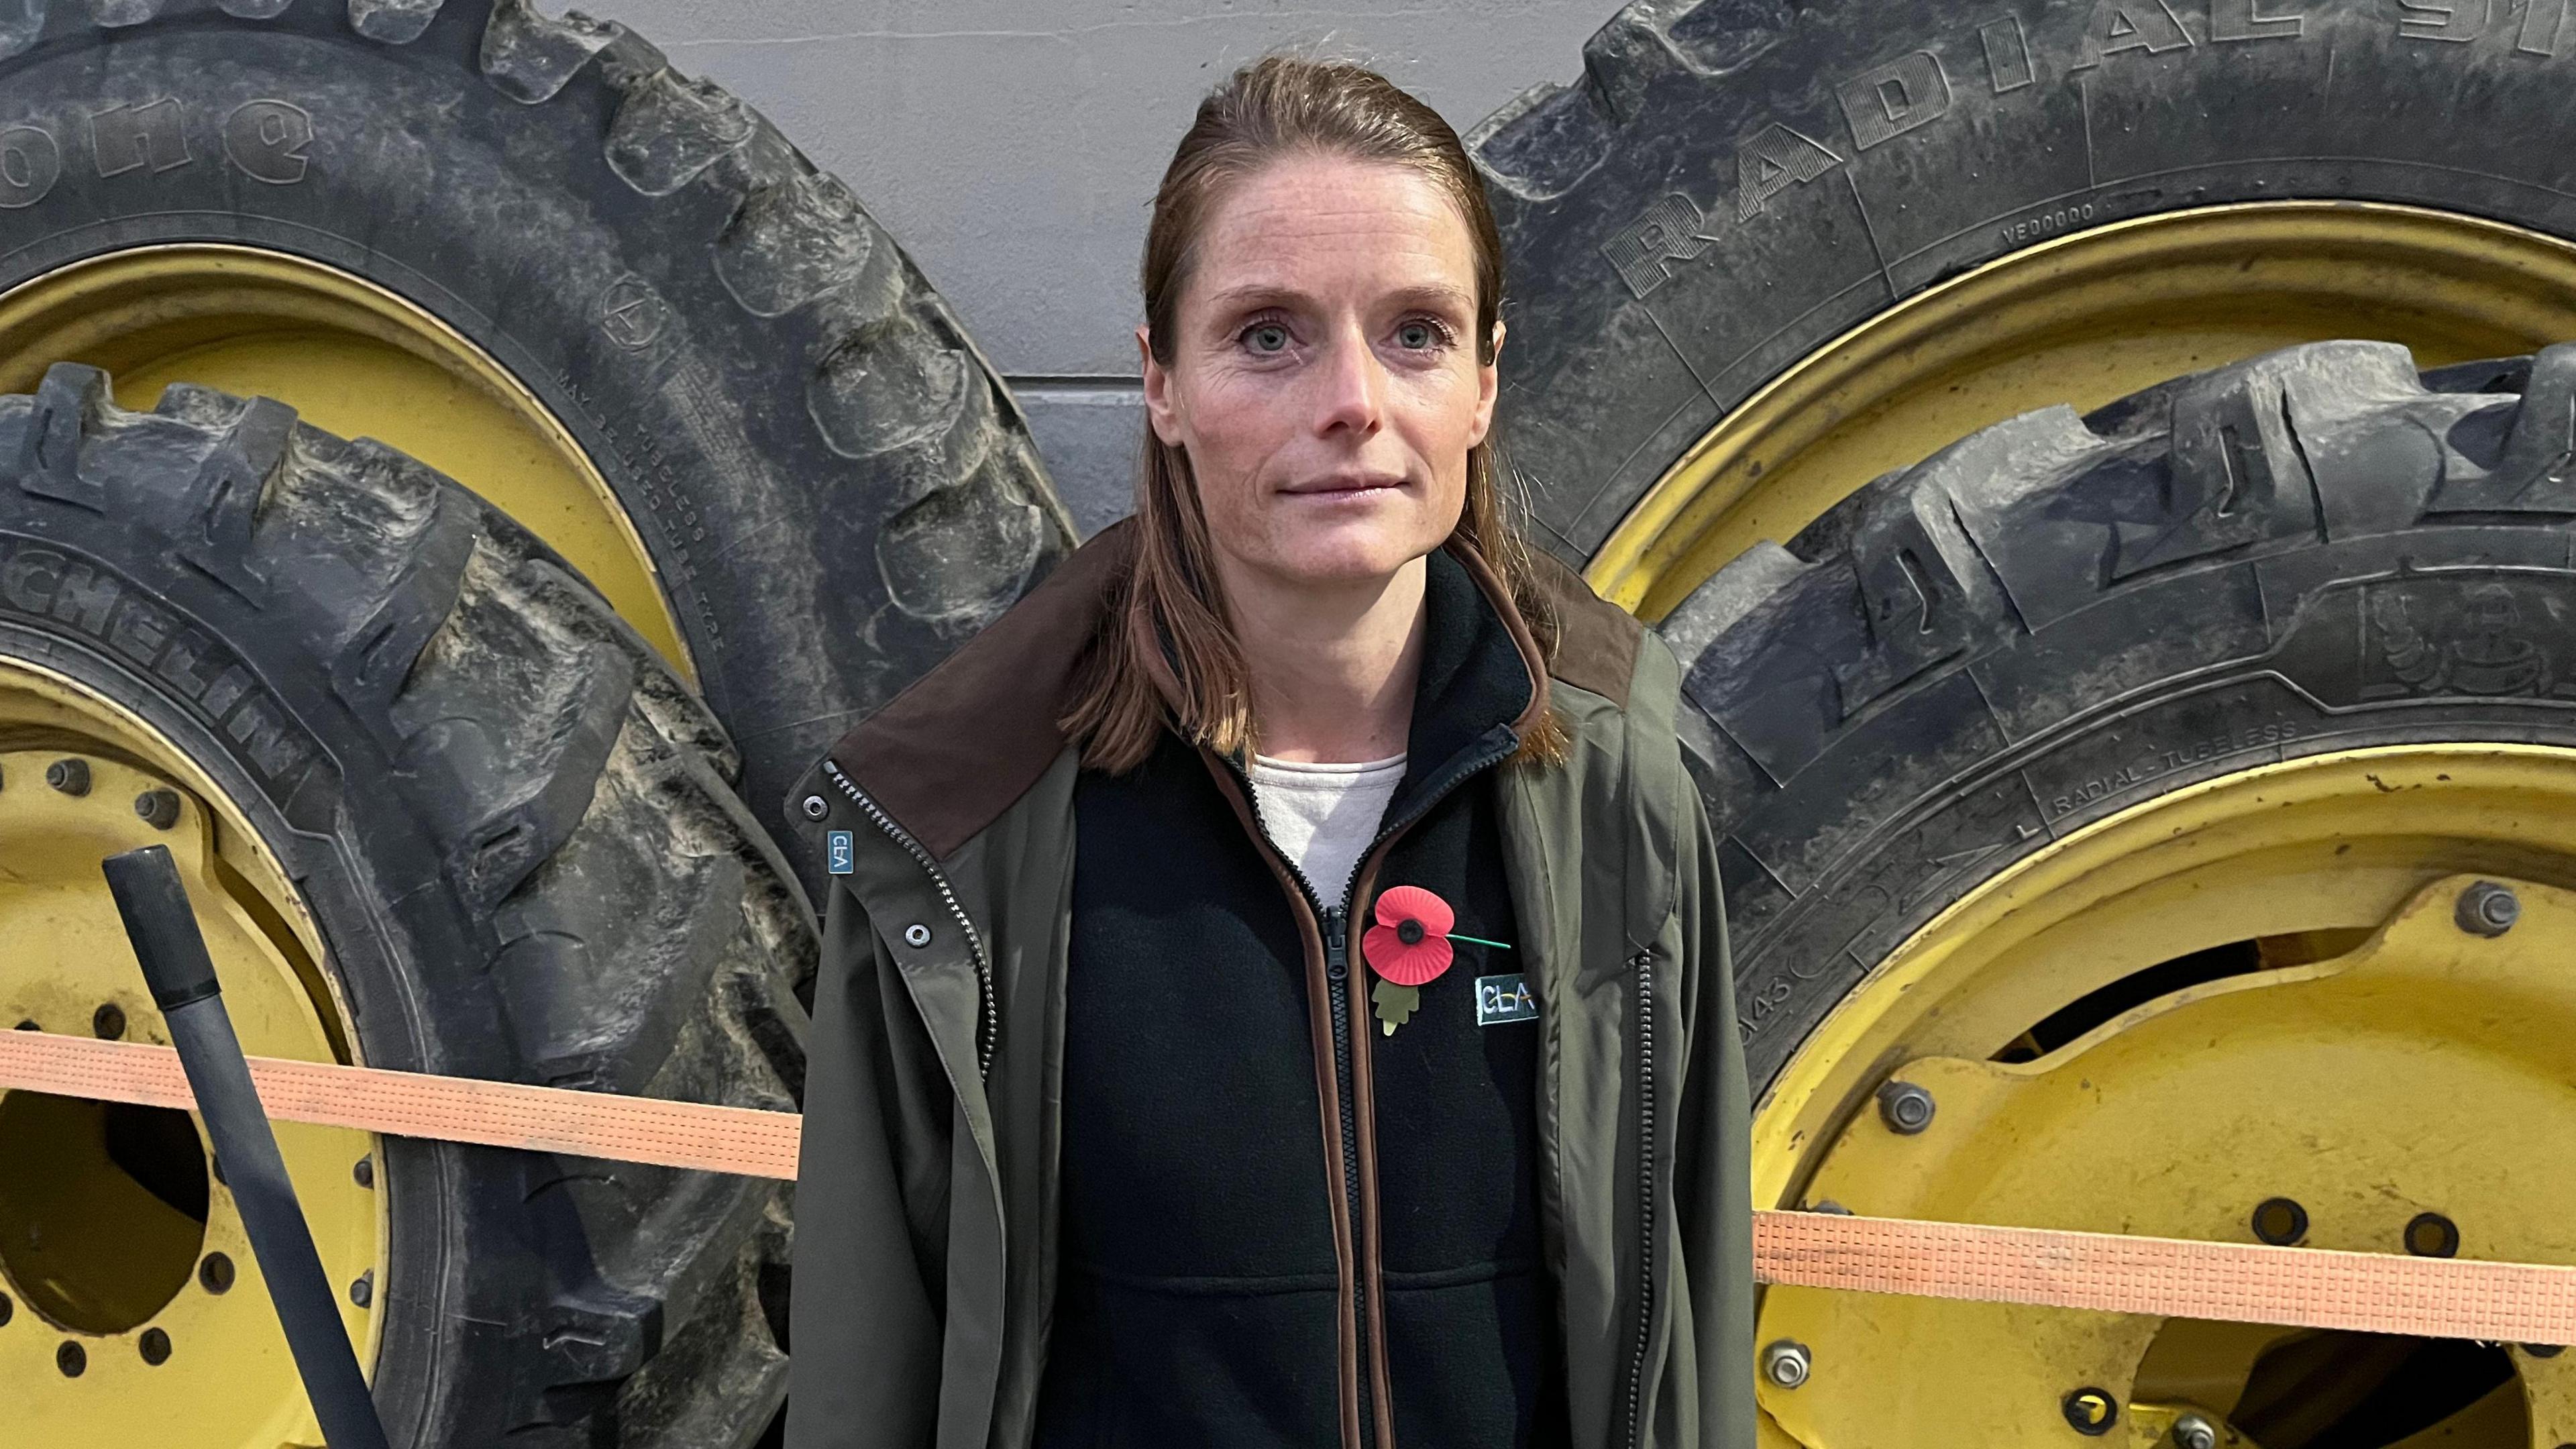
1266	337
1417	336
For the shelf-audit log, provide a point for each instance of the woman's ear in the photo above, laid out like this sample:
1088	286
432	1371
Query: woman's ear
1488	382
1160	409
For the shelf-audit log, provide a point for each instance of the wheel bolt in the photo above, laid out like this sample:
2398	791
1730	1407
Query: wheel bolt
72	1359
2280	1221
8	1310
108	1022
2487	909
363	1291
2191	1431
71	776
364	1172
1905	1107
2431	1235
2091	1411
155	1347
1786	1363
216	1273
157	808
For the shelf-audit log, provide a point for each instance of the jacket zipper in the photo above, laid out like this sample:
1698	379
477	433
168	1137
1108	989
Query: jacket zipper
991	1024
1644	963
1337	976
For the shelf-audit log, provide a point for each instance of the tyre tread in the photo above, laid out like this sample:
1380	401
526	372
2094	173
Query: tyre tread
799	241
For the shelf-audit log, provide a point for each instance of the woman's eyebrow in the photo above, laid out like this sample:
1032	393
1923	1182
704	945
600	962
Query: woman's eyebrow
1248	295
1435	294
1255	294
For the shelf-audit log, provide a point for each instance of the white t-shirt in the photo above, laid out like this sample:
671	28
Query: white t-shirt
1323	816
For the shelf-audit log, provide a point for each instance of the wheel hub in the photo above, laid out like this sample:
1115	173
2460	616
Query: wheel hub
2275	1007
130	1283
2369	1100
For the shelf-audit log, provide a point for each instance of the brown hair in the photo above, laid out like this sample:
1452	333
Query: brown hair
1169	617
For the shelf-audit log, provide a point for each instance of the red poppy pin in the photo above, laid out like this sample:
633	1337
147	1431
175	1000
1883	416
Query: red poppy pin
1408	948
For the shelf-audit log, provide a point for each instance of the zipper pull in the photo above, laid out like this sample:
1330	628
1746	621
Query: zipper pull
1337	944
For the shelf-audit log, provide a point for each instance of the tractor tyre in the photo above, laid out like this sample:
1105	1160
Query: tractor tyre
2210	684
443	811
608	297
2068	776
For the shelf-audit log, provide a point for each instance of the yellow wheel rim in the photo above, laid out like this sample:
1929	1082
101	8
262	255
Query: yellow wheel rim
2084	319
2367	1057
353	359
137	1314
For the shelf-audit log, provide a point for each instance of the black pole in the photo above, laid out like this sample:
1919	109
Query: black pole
164	932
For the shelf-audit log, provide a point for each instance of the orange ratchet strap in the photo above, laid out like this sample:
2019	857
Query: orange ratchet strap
413	1104
2170	1277
2175	1278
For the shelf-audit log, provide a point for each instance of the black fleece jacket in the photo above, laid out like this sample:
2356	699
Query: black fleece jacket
1204	1211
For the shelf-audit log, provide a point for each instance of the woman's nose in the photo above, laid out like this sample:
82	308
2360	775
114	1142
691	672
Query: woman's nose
1352	387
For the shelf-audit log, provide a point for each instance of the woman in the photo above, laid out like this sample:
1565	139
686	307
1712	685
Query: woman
1279	991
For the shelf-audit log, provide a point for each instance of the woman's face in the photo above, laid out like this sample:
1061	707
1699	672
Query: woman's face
1324	382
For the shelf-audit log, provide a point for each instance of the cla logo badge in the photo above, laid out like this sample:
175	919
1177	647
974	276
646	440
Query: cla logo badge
1504	998
841	849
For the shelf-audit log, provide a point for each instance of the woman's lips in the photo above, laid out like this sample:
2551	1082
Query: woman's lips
1344	486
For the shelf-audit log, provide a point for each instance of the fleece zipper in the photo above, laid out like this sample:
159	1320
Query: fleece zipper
1337	976
1335	922
1334	926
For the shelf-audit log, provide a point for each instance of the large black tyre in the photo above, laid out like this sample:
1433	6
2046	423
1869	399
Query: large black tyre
1733	183
511	824
831	485
2061	617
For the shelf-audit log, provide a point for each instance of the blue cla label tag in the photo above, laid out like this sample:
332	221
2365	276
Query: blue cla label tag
841	848
1504	998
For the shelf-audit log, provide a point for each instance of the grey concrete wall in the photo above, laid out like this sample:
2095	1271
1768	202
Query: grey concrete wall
1012	146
